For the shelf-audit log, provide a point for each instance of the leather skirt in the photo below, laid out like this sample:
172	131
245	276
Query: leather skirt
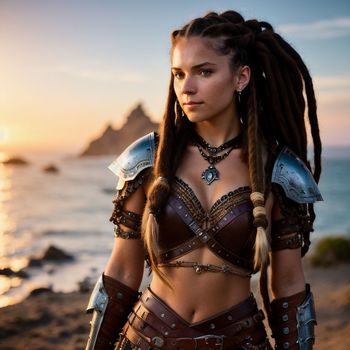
154	325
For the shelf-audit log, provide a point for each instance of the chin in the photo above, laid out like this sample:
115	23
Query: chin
196	118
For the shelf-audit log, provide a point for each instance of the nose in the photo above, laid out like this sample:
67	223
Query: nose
188	86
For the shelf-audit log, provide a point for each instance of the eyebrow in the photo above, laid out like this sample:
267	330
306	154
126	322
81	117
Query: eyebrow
197	66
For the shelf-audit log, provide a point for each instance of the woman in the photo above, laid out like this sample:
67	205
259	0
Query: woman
224	191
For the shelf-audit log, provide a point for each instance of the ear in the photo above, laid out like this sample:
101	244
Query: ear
243	78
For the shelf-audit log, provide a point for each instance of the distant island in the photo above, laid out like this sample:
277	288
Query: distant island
114	141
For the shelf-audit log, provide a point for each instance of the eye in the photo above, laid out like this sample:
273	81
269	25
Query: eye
178	74
205	72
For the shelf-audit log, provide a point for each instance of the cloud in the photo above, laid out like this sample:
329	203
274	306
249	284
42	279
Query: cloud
100	74
324	29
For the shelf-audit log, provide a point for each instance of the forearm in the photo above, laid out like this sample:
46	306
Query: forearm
286	278
126	263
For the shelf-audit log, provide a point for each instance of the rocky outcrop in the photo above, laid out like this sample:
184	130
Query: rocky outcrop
51	168
16	161
113	141
52	254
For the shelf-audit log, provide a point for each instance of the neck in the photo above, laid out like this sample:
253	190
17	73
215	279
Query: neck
219	130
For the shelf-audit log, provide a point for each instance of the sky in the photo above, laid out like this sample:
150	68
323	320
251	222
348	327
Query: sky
68	68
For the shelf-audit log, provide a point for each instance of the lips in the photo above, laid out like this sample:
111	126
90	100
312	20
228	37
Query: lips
192	103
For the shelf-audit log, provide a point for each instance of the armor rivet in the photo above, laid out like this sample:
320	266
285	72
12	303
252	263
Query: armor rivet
162	315
229	317
285	318
205	237
285	330
285	305
286	345
120	295
166	333
212	326
173	325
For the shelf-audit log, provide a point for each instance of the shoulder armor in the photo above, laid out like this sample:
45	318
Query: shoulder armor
295	178
137	157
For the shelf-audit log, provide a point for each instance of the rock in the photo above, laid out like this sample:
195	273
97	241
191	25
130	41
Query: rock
56	254
109	191
85	285
10	273
114	141
41	290
52	254
50	168
16	161
35	262
6	272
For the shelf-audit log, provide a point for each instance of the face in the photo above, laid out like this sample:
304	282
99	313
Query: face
204	82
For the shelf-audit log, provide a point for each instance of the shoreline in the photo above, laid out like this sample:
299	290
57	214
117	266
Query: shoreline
58	321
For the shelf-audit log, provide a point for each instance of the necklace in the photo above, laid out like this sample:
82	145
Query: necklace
211	174
235	142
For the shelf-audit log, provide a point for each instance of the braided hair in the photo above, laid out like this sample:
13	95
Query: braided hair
272	108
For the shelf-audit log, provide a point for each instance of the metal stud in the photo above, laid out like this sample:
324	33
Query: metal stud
229	317
212	326
120	295
286	345
285	330
285	305
285	318
173	325
158	341
162	315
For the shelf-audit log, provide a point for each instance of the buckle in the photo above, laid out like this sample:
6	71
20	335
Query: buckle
218	345
204	342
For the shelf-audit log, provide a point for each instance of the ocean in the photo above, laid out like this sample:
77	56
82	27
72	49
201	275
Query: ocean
71	209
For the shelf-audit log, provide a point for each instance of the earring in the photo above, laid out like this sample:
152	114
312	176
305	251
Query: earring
239	95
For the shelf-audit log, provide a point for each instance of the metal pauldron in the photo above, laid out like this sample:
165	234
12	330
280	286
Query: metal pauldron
137	157
97	304
295	178
306	320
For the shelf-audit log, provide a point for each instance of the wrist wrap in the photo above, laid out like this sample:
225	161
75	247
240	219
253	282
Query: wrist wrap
292	321
111	301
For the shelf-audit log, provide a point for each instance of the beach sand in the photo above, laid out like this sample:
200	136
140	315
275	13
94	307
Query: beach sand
55	321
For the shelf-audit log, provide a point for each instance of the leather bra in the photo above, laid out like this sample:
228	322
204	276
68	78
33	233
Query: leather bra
226	228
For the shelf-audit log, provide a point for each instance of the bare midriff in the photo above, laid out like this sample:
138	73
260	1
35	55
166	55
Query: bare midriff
198	296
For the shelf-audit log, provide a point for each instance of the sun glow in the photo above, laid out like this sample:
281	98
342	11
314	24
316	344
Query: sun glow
4	135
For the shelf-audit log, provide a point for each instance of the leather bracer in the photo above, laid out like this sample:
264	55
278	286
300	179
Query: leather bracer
292	321
111	302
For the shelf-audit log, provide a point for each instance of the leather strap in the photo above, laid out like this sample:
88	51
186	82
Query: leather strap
203	236
154	324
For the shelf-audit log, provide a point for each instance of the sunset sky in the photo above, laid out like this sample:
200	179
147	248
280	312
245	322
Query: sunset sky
68	68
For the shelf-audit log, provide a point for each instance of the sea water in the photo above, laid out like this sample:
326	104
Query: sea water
71	209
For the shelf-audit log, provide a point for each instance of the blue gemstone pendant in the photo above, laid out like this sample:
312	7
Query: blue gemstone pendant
210	174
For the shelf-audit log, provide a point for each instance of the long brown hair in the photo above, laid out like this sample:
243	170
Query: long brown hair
272	107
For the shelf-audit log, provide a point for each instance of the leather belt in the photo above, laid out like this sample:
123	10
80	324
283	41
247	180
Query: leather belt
153	324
